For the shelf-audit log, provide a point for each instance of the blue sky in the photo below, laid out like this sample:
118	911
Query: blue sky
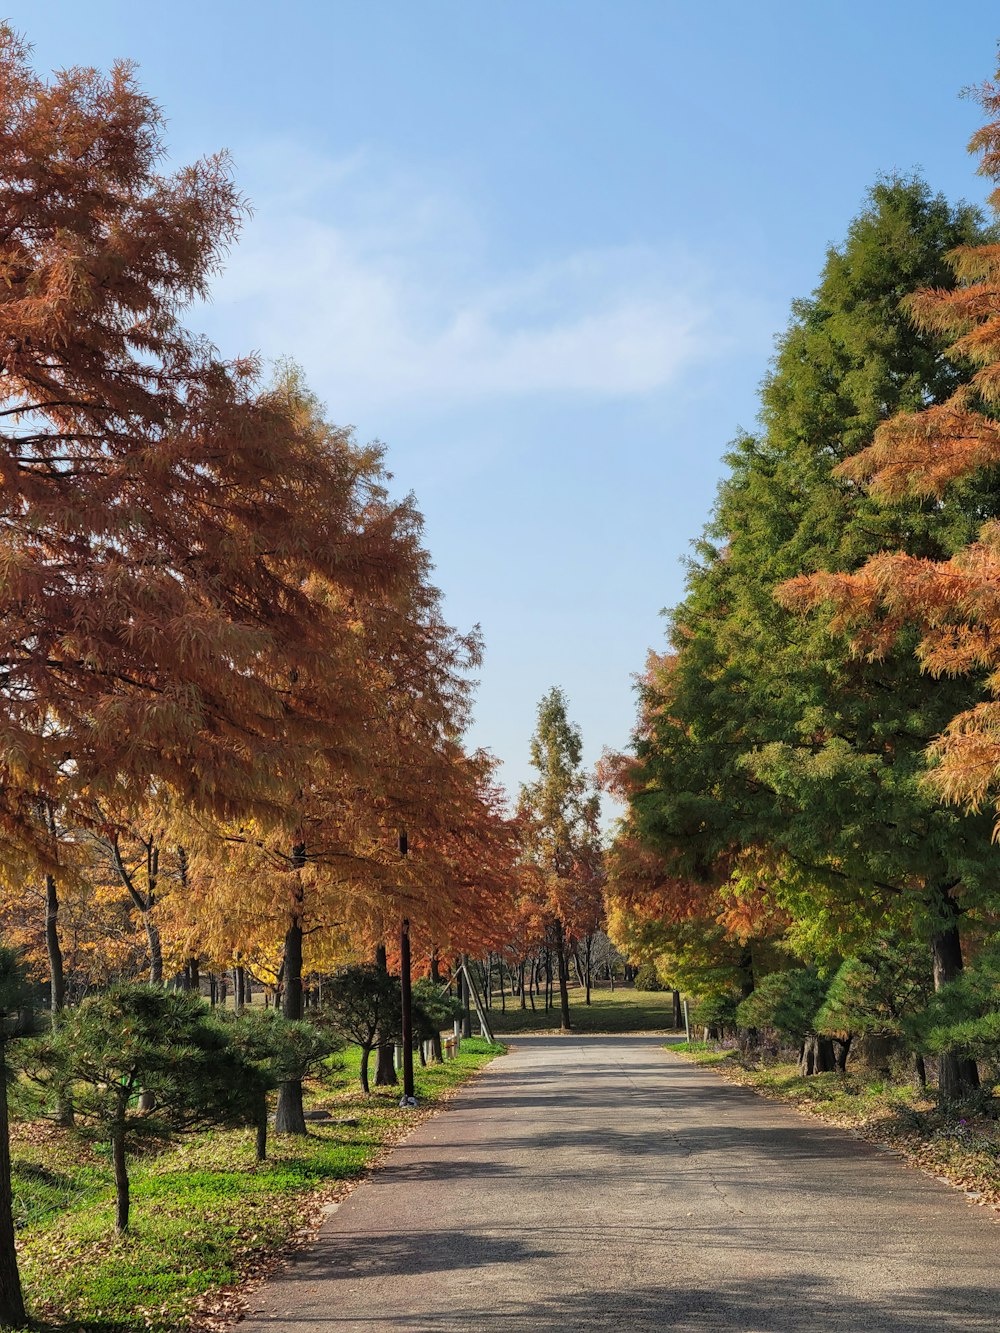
541	249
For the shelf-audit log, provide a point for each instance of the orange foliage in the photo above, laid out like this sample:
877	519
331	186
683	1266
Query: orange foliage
209	603
955	602
163	520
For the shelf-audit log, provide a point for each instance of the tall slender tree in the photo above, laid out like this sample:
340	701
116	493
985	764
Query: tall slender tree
559	816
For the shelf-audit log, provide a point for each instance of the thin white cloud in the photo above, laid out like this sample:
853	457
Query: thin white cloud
384	290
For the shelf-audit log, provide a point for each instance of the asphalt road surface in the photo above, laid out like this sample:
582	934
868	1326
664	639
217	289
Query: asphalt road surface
598	1183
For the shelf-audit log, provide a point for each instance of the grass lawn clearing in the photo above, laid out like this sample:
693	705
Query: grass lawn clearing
620	1010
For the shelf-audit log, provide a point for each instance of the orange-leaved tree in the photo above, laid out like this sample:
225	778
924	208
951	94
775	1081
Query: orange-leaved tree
162	516
164	519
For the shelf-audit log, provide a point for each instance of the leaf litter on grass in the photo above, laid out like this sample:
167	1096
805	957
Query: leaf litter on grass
210	1223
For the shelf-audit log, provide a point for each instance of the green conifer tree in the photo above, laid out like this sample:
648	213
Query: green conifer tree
770	749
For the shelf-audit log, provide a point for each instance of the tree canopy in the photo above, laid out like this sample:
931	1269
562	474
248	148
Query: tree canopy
776	792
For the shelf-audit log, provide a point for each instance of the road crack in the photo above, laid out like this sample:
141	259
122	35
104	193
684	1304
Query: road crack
685	1148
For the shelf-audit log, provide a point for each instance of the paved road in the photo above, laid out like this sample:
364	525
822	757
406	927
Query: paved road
595	1183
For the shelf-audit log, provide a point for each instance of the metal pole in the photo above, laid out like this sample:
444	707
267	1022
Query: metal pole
407	1013
406	996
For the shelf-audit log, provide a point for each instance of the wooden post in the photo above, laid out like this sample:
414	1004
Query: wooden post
484	1023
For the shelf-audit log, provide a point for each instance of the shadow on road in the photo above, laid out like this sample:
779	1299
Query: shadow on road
798	1304
627	1192
409	1254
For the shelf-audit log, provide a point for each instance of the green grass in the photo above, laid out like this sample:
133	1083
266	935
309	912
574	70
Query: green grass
701	1052
621	1010
203	1211
856	1098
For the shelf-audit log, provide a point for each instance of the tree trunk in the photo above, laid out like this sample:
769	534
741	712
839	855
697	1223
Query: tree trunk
152	930
57	980
957	1075
578	967
520	987
260	1143
147	1101
121	1179
57	976
920	1070
817	1056
466	999
562	969
155	949
290	1116
746	972
842	1050
678	1011
385	1067
11	1300
365	1054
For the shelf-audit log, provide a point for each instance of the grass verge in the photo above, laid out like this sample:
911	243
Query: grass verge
959	1143
621	1010
206	1218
